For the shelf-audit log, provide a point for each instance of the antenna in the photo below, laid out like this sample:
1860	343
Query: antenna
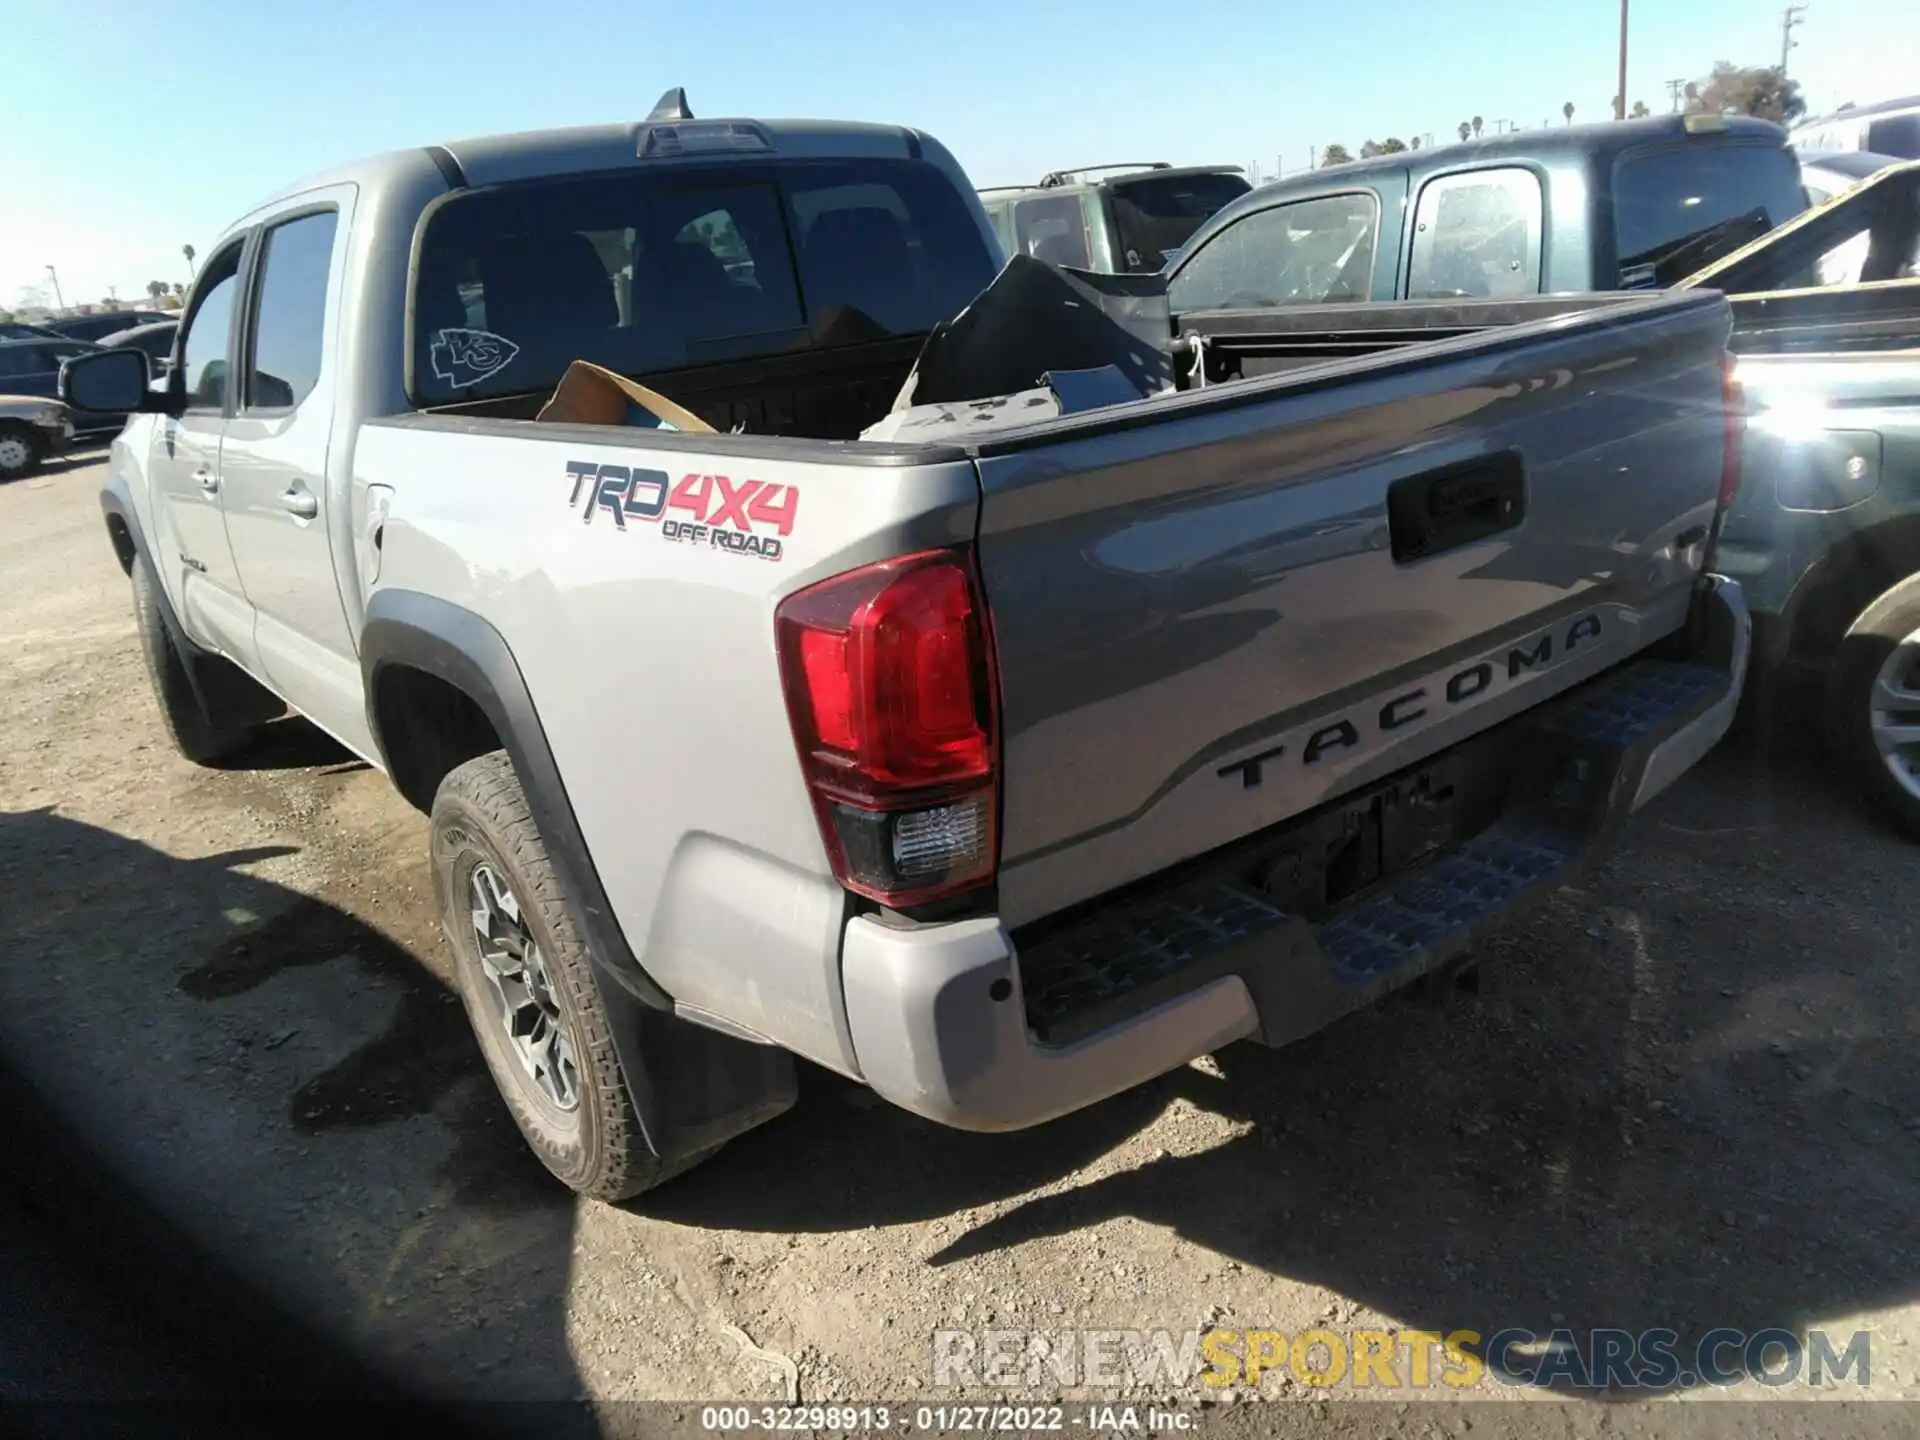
671	106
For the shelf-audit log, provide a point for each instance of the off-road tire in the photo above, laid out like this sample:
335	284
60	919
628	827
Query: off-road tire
22	441
1864	653
599	1148
181	714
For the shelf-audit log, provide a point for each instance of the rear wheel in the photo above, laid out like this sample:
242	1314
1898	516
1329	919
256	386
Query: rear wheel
530	992
21	451
1873	707
186	720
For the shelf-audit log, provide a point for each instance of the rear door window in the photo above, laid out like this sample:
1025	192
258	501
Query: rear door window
1896	135
290	311
644	273
1312	252
1683	206
1477	235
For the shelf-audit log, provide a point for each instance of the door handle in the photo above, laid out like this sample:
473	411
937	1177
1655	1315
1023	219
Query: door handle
208	482
299	502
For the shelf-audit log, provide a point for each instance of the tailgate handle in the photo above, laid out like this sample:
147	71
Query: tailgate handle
1455	505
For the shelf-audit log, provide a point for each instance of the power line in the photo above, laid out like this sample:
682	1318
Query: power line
1673	92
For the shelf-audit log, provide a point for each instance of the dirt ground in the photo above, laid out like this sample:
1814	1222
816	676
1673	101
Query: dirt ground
1686	1095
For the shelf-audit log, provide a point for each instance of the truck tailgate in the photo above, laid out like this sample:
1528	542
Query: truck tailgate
1215	612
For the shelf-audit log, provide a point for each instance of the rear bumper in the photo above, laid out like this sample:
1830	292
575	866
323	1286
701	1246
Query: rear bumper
943	1017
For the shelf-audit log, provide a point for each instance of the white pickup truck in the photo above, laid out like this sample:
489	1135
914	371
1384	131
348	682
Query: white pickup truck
1000	773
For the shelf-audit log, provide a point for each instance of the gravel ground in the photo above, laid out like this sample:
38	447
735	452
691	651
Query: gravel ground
1685	1095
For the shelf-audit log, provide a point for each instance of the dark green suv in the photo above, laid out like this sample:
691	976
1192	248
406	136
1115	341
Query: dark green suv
1132	222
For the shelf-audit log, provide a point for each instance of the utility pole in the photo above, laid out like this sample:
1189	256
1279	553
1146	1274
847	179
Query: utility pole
58	301
1620	96
1673	93
1788	24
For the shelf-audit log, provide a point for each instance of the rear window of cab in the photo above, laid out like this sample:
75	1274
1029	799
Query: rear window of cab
659	270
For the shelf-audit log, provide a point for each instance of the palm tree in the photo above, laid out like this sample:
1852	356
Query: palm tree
187	250
1476	127
155	289
1567	110
1466	129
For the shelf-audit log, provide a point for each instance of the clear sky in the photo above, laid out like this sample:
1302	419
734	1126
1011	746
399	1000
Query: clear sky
133	126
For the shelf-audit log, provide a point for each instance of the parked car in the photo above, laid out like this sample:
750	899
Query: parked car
1891	127
154	340
97	327
32	367
1000	773
1128	222
1825	534
1624	205
31	429
1827	173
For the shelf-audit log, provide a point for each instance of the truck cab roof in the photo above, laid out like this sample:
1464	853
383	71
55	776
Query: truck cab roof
662	137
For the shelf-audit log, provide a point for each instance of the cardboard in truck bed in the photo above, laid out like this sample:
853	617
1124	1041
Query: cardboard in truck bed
589	394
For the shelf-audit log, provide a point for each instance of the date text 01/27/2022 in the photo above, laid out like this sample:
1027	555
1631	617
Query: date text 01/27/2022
1094	1419
724	514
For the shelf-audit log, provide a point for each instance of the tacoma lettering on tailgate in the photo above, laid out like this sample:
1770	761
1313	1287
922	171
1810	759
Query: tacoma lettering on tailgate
1469	683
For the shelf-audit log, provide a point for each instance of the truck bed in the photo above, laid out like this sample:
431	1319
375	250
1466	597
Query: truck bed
1212	613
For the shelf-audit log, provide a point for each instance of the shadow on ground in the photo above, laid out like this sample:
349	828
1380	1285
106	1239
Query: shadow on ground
294	743
139	951
1688	1097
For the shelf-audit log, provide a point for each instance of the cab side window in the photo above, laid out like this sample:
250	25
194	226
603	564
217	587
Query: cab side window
203	348
1477	235
1312	252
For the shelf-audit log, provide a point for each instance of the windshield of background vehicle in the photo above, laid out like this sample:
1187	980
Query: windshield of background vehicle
1664	198
651	272
1158	214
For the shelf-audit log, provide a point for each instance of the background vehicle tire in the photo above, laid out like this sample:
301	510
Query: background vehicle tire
21	451
1873	705
193	734
529	989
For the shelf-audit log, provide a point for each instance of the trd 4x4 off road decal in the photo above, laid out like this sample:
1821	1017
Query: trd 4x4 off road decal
742	517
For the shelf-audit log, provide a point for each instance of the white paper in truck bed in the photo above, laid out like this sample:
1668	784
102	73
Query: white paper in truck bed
1061	392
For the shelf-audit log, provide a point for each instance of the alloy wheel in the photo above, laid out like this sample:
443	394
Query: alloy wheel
524	1003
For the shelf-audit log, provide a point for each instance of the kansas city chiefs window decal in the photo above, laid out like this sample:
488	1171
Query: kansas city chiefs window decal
466	357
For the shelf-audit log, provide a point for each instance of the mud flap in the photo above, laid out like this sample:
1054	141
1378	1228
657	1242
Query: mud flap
695	1089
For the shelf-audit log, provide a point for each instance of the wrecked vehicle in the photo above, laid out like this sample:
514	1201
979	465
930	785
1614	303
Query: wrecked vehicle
998	771
1825	535
1129	223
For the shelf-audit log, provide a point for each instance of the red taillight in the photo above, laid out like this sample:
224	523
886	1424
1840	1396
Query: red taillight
890	688
1734	400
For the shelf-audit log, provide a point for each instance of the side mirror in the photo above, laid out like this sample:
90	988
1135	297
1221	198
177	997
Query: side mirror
113	382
